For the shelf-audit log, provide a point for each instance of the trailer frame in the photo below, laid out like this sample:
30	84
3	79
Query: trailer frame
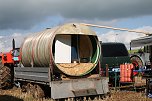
77	87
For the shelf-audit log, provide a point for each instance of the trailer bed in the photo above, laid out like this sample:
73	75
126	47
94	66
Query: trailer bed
63	88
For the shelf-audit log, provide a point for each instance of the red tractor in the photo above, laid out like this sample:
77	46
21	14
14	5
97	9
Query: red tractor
8	61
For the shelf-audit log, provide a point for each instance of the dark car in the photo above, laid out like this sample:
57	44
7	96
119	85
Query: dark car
113	54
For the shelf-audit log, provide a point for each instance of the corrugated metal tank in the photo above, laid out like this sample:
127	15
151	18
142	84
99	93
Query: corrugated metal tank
71	48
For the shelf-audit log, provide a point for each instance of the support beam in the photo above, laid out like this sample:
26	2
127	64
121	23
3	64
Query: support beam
121	29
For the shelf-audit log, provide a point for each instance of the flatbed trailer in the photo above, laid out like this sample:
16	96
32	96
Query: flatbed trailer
92	85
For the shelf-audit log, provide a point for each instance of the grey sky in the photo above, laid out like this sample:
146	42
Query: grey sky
24	14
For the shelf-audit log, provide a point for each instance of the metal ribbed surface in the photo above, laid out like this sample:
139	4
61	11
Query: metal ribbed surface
37	49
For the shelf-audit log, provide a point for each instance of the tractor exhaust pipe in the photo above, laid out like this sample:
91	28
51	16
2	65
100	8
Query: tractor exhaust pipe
13	44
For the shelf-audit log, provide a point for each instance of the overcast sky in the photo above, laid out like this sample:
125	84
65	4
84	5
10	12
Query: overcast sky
18	18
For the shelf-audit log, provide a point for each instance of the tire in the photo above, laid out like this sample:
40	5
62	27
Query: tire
136	61
38	92
5	77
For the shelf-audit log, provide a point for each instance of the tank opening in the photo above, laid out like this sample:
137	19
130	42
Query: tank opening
73	49
75	54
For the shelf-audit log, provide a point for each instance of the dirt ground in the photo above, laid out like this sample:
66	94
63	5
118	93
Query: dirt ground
15	94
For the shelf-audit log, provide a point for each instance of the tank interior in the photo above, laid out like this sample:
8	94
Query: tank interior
75	54
73	49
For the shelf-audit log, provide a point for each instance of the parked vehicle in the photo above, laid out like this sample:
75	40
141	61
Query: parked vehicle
112	56
8	60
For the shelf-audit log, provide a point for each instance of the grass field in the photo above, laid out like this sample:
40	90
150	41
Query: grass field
15	94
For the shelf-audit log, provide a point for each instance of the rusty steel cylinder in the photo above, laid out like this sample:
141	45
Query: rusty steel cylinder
72	48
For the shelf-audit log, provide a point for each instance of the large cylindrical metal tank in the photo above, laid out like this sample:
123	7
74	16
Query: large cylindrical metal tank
72	48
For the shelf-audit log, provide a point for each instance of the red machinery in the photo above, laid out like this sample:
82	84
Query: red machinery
7	61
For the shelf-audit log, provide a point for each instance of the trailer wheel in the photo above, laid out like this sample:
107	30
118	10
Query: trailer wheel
30	88
27	87
5	77
23	88
136	61
38	91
